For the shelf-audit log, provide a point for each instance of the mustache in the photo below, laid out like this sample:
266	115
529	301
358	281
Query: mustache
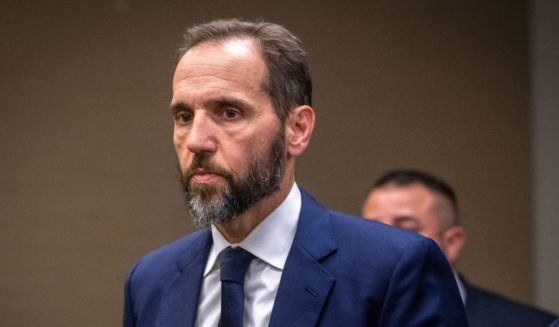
203	162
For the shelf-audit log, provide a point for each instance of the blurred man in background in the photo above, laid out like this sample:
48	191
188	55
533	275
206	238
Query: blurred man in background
420	202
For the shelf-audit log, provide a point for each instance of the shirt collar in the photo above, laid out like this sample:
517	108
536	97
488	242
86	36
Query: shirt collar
461	287
270	240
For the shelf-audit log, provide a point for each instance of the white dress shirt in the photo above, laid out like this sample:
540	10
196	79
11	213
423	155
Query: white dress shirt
461	287
270	243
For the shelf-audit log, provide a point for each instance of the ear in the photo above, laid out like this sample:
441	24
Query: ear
298	130
454	239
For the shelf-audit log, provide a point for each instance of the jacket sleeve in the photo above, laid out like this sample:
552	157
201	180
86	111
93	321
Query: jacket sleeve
422	290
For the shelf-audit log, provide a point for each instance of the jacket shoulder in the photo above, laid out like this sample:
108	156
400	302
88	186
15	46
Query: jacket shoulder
373	231
165	261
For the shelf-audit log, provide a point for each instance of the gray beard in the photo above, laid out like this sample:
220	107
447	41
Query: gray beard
262	178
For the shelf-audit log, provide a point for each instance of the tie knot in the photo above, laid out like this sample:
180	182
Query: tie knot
234	263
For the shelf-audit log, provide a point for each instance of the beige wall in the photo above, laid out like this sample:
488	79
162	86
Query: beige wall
88	171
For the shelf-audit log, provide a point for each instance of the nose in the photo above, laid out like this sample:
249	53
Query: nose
201	135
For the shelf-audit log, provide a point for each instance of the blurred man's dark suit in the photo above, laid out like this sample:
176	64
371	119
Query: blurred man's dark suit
487	309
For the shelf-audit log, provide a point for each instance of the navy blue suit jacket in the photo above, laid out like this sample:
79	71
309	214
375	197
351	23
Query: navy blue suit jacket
487	309
340	271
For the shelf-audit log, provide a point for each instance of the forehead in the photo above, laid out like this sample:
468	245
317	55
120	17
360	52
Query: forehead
391	200
235	60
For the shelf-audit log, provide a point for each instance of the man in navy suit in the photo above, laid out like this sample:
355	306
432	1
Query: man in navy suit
425	204
242	114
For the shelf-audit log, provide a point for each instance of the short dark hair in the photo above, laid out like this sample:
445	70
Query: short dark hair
407	177
287	81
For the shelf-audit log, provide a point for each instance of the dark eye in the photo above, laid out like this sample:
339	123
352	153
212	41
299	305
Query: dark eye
184	117
231	113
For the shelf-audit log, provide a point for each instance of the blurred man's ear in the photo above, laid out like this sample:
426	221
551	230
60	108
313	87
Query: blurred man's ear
298	130
454	239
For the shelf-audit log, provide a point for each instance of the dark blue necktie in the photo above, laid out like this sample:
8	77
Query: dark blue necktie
233	263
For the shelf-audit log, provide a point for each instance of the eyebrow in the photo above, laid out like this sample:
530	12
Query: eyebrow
229	101
177	106
214	102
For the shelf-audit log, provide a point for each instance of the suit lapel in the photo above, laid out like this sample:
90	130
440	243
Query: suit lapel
305	284
180	302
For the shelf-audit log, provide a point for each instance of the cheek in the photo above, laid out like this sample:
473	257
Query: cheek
179	146
184	156
251	144
236	156
178	139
